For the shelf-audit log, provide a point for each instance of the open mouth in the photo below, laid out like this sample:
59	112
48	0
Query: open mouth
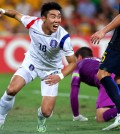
55	27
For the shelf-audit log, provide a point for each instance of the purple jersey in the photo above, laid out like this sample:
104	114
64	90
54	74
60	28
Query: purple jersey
86	71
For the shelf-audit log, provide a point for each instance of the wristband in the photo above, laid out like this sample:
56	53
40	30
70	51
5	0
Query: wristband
61	76
2	10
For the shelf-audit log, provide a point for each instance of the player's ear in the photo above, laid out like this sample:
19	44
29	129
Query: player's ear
43	18
79	58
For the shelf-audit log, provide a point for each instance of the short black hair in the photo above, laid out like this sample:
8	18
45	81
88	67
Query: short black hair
50	6
84	52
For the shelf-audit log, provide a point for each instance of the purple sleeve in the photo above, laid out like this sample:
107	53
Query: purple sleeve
75	84
75	77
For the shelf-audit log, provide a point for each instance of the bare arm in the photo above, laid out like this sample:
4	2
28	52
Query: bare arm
11	13
95	38
53	79
71	65
113	24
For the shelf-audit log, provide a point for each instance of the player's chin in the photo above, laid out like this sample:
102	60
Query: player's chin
54	29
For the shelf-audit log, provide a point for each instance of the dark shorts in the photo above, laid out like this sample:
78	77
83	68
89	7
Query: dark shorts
111	61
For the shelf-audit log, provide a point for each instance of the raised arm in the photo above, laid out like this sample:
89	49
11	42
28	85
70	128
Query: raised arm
95	38
11	13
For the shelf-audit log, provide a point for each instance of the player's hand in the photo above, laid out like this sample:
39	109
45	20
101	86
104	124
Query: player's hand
2	11
52	79
95	38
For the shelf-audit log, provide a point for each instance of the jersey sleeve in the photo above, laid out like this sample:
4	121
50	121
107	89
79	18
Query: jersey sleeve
75	78
67	48
28	21
75	84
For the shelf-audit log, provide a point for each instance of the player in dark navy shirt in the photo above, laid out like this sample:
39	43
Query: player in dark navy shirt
111	64
86	71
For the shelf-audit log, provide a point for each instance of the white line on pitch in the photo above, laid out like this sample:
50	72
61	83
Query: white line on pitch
68	95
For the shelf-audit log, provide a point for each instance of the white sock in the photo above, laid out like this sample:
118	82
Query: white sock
40	115
6	104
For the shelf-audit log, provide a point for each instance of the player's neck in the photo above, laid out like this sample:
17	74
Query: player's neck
46	30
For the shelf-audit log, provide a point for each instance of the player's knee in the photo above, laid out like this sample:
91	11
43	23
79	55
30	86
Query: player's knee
102	73
99	115
100	119
99	75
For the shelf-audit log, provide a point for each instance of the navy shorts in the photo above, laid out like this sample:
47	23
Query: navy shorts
111	61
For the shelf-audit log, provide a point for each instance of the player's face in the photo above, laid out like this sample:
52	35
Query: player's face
52	21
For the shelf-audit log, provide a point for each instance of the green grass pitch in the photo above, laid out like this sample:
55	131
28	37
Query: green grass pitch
22	119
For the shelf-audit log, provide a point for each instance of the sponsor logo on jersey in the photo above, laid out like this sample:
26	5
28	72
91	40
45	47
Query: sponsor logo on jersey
53	43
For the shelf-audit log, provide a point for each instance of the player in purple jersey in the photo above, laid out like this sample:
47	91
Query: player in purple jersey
86	71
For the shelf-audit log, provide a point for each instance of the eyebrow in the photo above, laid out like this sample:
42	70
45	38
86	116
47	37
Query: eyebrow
55	14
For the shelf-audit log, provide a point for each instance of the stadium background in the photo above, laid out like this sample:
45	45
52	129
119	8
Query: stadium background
81	18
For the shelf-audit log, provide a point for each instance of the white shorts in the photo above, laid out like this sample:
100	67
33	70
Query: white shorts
28	72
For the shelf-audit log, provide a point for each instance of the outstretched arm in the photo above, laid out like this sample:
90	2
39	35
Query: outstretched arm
11	13
95	38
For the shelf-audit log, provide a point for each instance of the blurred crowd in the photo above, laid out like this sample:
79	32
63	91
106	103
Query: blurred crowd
82	17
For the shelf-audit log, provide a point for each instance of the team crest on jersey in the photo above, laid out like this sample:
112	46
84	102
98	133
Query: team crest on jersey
53	43
31	67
